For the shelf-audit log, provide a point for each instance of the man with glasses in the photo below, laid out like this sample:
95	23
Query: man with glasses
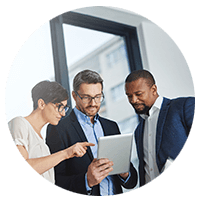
87	175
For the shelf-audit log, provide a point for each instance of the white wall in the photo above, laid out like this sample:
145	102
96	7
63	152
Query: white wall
166	62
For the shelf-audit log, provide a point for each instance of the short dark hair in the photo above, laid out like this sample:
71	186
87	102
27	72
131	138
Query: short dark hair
86	76
48	91
135	75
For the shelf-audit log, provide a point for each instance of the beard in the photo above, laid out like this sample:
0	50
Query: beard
140	108
88	112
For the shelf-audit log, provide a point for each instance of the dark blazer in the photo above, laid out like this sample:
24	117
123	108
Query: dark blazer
70	174
173	127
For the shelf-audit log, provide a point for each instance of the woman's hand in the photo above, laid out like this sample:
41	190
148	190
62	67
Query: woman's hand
78	149
43	164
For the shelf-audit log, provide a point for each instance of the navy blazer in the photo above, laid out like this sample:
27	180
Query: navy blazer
173	127
70	174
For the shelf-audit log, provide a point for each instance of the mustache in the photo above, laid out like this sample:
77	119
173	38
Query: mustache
137	104
91	106
140	111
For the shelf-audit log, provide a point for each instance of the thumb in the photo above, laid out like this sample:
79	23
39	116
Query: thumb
94	160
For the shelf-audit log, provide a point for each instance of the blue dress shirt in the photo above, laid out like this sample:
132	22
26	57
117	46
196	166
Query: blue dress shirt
92	133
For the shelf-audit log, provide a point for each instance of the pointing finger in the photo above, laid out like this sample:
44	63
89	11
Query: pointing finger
87	144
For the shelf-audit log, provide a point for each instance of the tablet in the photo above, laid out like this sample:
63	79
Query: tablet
116	148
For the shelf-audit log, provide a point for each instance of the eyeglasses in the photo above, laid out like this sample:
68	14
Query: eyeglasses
61	107
88	99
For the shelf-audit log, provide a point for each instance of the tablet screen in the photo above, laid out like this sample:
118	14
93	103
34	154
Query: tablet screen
116	148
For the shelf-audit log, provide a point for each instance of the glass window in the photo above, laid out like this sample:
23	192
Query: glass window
118	92
117	55
128	125
95	50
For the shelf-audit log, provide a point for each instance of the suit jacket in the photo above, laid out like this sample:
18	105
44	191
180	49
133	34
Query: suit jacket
70	174
173	127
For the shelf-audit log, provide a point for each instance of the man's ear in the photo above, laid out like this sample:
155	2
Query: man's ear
154	89
41	104
74	95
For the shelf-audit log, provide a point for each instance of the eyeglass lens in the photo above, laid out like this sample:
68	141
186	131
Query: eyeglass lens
97	99
62	107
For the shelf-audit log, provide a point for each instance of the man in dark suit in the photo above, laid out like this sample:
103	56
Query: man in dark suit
164	124
87	175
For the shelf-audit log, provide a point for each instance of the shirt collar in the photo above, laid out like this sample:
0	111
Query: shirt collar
158	102
157	105
83	118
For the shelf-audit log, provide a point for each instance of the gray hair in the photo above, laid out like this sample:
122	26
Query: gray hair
86	76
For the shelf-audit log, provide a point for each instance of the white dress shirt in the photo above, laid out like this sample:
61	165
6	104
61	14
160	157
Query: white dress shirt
149	140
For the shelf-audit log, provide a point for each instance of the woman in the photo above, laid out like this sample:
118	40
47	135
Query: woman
50	105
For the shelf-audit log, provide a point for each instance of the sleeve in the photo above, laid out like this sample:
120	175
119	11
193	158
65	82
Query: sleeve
89	189
189	112
19	132
132	179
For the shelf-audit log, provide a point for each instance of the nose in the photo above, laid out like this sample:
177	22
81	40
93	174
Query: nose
134	99
63	113
92	102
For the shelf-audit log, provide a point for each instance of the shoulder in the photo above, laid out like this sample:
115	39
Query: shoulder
180	102
18	119
183	100
108	124
17	122
110	127
108	121
20	129
180	106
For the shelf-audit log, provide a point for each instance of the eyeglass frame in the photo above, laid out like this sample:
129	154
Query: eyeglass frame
91	98
66	108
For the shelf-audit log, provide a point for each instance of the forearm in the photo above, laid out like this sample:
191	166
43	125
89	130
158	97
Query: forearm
43	164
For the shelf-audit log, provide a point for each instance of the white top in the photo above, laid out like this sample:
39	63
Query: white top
149	140
23	134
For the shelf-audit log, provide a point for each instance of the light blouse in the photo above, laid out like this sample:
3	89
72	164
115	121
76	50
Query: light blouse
23	134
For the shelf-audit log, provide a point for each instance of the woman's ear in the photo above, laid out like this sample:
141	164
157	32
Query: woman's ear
41	104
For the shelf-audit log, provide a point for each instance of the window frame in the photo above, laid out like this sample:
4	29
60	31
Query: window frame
129	33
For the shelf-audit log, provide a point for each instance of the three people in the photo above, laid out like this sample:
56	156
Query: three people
163	129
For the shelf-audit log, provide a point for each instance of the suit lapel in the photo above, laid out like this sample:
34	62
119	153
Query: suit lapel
104	127
107	128
161	122
79	132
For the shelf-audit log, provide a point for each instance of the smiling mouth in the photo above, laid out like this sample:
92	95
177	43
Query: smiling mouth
91	108
91	111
